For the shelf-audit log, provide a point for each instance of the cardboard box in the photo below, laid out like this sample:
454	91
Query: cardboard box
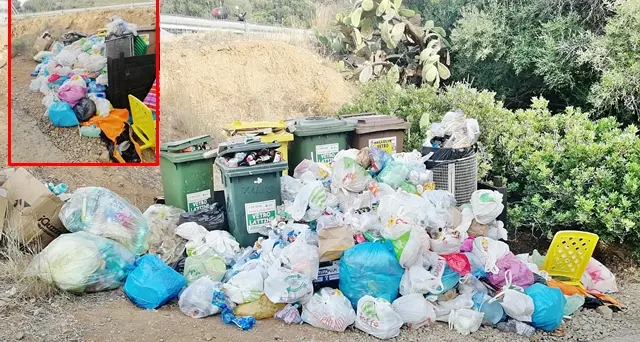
43	43
34	209
148	33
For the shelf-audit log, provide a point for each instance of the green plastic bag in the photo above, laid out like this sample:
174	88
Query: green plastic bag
195	267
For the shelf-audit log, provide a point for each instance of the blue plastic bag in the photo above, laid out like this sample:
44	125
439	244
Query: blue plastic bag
450	279
548	303
370	268
61	115
152	283
242	322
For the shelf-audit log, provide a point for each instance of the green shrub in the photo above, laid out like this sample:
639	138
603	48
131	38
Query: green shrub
564	171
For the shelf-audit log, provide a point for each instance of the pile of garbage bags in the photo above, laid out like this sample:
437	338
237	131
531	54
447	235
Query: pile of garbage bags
363	241
72	77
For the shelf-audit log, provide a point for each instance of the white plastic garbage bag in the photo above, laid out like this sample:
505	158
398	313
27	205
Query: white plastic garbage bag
196	300
444	308
65	58
514	301
103	79
376	317
488	252
37	83
414	310
244	287
465	321
312	195
350	153
286	286
497	231
348	175
411	245
63	70
41	55
301	257
446	243
329	309
289	188
416	279
223	244
402	207
95	63
487	205
191	231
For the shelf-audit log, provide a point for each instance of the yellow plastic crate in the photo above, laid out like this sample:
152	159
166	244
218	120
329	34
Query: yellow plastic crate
282	137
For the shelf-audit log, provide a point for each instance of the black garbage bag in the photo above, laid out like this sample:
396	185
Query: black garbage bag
210	217
179	265
442	155
85	109
129	154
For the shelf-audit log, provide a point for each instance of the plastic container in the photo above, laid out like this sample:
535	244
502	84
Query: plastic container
384	132
187	177
252	193
318	138
249	128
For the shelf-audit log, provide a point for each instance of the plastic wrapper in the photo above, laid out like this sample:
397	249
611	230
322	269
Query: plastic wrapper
210	216
378	159
377	318
85	109
196	301
82	262
370	269
289	314
102	212
242	322
329	309
196	267
262	308
152	283
393	174
163	241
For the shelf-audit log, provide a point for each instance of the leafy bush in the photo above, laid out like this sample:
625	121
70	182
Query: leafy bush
564	171
615	55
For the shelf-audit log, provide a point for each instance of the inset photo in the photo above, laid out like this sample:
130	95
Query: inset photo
83	82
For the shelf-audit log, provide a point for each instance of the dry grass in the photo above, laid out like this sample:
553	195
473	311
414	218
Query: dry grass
326	12
15	287
210	80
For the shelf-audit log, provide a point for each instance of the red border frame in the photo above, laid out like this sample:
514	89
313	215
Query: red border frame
9	113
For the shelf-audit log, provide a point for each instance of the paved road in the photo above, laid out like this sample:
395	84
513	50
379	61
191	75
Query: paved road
183	23
44	14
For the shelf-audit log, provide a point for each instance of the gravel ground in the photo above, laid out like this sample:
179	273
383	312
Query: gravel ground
111	317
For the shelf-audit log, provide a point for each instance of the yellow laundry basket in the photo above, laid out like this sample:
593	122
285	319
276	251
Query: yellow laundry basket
569	254
282	136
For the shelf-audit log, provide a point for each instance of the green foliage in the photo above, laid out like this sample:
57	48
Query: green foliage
564	170
380	38
615	55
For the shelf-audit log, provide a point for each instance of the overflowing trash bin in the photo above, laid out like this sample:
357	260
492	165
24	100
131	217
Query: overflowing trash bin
384	132
252	191
319	139
269	132
186	168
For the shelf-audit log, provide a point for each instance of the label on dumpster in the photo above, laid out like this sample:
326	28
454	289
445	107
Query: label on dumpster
145	38
325	153
259	215
328	273
197	200
386	144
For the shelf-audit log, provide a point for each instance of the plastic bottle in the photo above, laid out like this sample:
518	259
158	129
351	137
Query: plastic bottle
517	327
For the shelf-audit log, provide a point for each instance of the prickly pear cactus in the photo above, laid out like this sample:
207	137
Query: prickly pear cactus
379	38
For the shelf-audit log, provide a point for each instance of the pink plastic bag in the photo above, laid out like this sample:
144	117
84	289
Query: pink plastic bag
467	245
521	274
71	94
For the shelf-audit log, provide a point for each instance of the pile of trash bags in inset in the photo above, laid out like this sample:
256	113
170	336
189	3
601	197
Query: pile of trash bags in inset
364	241
72	77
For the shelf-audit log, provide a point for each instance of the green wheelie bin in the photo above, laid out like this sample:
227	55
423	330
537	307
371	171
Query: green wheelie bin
318	138
187	172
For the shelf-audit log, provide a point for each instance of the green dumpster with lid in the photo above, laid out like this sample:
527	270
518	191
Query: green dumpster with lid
252	193
318	138
384	132
186	168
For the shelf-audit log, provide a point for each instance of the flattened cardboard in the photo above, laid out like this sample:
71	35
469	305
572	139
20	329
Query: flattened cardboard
34	208
333	241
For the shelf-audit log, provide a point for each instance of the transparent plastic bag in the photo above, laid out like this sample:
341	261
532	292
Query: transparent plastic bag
196	267
244	287
414	310
286	286
301	257
289	314
289	188
196	301
82	262
393	174
102	212
416	279
329	309
163	221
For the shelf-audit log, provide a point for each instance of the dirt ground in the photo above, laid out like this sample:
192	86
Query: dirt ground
34	138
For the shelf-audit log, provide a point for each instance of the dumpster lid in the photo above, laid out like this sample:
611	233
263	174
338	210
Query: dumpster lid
372	122
180	145
226	148
250	126
317	125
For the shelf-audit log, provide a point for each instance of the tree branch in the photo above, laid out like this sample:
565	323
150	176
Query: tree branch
409	29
